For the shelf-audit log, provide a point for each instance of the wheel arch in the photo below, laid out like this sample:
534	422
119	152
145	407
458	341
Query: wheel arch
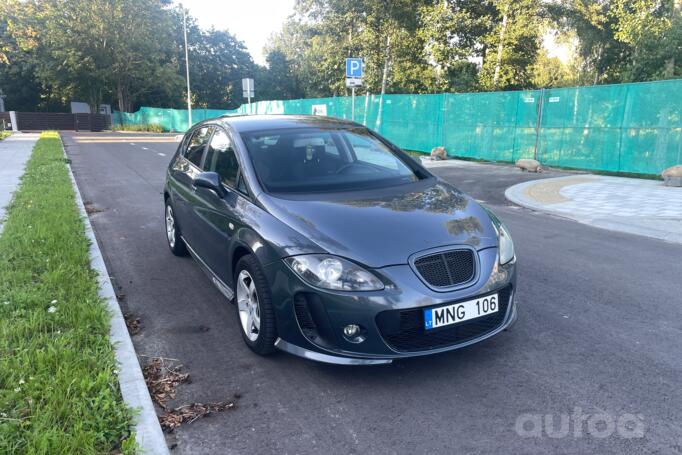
246	242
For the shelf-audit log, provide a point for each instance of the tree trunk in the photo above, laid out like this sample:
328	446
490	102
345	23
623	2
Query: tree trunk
384	79
350	49
94	101
387	64
123	95
597	65
500	46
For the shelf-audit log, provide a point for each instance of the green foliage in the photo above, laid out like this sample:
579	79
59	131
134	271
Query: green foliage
279	80
323	33
454	33
512	46
653	31
218	62
58	389
552	72
132	53
602	57
148	127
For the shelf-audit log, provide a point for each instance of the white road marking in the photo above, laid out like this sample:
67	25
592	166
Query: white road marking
161	154
132	143
145	148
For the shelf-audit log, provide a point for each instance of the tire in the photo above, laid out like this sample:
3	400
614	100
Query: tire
249	278
173	234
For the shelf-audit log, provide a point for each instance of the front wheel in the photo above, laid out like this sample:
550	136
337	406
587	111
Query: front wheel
254	306
175	243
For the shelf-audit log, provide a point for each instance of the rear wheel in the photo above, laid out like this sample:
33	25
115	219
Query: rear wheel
175	242
254	306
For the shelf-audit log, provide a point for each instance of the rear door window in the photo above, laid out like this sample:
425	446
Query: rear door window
197	144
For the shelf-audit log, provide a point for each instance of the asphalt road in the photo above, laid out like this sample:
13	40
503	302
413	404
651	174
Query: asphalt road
599	332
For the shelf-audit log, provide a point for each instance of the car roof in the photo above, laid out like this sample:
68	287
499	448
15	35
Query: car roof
243	123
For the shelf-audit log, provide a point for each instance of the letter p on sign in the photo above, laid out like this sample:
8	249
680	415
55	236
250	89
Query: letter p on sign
354	67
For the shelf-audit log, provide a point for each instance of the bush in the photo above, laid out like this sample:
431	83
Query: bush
148	127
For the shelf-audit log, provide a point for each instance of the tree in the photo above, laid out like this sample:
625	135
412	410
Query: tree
602	57
454	33
17	79
653	31
512	46
279	80
95	50
323	33
552	72
219	63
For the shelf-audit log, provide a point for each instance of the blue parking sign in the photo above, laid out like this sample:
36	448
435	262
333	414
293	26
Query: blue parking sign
353	67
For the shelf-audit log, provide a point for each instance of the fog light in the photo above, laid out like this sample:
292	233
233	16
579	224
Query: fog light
351	330
354	333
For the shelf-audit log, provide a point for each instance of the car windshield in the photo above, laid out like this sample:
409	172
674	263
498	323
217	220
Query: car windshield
316	160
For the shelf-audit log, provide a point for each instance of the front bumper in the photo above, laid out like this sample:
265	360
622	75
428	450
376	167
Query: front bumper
318	335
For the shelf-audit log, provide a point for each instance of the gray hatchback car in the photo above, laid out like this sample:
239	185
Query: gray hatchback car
335	245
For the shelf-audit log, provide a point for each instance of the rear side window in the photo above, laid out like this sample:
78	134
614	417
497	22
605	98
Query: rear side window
195	148
221	158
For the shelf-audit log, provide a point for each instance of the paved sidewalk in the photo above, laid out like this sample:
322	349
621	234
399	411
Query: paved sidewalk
14	153
636	206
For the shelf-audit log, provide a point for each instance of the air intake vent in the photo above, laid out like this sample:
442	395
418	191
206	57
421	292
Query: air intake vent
447	269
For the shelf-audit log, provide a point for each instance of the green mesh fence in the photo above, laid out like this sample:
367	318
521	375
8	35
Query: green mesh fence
168	119
625	128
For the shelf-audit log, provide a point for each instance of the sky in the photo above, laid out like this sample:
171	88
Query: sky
251	21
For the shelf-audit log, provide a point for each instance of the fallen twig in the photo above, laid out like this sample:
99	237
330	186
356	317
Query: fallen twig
162	379
173	418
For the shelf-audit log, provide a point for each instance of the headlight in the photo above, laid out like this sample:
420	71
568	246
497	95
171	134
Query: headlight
504	240
506	244
331	272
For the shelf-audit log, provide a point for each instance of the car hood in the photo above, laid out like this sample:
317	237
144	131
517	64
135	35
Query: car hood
385	227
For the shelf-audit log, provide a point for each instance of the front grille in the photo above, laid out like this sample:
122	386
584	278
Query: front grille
404	330
449	268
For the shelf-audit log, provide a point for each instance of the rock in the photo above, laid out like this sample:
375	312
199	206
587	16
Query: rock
674	171
673	181
529	165
439	153
673	176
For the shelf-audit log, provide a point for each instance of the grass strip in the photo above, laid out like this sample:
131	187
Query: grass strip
4	134
59	393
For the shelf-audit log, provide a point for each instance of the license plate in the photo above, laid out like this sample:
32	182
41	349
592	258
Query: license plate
460	312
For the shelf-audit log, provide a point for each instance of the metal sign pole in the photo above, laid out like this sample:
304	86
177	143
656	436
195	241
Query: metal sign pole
189	95
352	104
539	123
248	90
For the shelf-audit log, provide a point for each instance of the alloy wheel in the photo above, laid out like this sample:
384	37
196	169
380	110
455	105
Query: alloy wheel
170	226
247	302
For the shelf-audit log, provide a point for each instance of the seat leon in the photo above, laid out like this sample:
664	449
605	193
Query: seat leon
333	244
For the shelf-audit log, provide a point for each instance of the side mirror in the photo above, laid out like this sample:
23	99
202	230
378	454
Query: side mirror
211	181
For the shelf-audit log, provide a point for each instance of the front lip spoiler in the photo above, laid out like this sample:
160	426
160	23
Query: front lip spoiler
326	358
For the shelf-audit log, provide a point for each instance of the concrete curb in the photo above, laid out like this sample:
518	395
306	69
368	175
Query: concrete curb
148	431
517	195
